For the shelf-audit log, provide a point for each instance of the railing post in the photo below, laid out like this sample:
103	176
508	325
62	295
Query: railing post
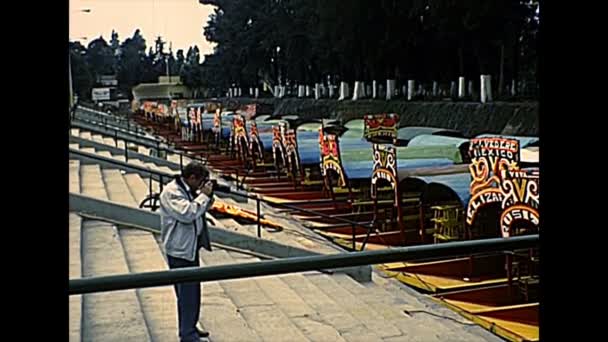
161	183
354	244
150	187
116	138
181	162
126	152
258	209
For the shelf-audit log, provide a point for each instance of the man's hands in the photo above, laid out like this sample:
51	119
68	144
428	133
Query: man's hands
207	188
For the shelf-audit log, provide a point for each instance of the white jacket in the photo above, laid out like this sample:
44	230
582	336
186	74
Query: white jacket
183	224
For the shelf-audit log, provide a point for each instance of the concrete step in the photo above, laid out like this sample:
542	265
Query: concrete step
330	312
391	309
168	170
97	138
91	182
120	157
259	311
105	154
75	132
372	319
159	303
160	168
75	271
88	150
108	316
75	146
307	319
143	150
138	162
109	141
175	158
85	135
74	166
117	188
152	166
137	186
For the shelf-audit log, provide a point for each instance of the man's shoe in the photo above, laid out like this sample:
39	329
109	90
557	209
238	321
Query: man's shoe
202	333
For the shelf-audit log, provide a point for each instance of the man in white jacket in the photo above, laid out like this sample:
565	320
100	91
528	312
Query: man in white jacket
183	204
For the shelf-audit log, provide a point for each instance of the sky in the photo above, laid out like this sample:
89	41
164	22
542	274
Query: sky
180	22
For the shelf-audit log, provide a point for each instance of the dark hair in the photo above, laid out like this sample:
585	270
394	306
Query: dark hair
195	168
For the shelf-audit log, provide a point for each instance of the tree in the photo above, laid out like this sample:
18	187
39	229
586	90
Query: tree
100	57
82	77
133	63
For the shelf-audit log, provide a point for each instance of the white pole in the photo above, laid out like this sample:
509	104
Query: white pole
435	90
356	91
374	89
411	84
482	80
460	87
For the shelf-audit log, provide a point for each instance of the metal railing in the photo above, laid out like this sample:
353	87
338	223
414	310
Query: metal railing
162	176
152	196
353	224
296	264
139	133
151	143
91	112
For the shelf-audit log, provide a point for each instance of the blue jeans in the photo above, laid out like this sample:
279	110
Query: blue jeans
188	301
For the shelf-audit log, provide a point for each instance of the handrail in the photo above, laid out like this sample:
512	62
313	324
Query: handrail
164	175
108	120
155	145
296	264
82	122
101	114
161	174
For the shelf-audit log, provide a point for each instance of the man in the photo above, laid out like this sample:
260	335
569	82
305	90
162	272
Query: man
183	232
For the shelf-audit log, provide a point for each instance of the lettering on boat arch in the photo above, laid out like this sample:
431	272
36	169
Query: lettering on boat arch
381	127
254	137
291	149
240	134
277	145
385	167
330	156
521	198
488	157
